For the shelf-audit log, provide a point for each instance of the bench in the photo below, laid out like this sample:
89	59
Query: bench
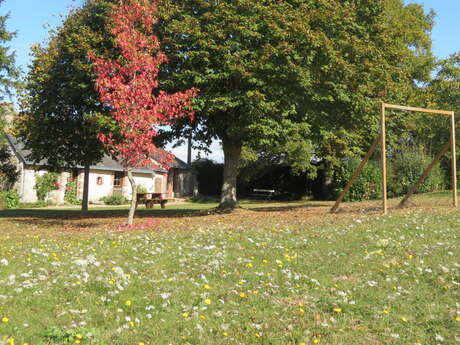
155	198
263	193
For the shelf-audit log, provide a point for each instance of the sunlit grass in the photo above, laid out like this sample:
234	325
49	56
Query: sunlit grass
255	277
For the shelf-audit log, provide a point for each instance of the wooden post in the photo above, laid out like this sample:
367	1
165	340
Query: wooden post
382	140
427	171
454	160
384	158
356	174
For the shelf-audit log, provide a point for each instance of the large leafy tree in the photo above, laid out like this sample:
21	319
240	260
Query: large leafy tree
129	87
304	77
442	92
9	74
60	106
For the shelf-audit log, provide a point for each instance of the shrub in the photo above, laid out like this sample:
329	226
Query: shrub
36	204
407	166
70	196
45	184
9	199
368	184
114	199
141	189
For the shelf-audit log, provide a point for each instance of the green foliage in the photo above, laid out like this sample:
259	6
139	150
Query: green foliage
37	204
9	199
8	172
9	74
45	184
278	77
209	176
114	199
71	336
368	185
141	189
59	95
407	166
70	196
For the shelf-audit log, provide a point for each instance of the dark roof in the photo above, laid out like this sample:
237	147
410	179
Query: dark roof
107	162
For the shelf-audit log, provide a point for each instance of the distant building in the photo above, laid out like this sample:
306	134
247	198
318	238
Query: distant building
105	178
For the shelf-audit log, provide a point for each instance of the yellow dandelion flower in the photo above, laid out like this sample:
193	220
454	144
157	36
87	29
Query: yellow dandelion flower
258	335
242	294
79	336
206	286
128	303
301	311
11	341
131	323
78	282
5	320
403	319
316	341
337	310
303	344
185	314
207	301
225	334
255	292
457	318
77	341
141	343
386	311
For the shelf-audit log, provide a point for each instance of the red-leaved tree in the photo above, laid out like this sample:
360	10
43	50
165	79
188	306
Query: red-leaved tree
128	86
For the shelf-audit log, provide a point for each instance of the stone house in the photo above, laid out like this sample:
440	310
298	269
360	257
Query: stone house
105	178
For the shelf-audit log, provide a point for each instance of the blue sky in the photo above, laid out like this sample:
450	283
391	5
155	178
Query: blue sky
32	20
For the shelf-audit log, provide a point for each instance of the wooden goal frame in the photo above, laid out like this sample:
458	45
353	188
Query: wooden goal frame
381	141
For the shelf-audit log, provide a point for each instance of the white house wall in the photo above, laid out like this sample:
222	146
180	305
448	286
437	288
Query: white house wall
28	184
147	181
98	191
28	192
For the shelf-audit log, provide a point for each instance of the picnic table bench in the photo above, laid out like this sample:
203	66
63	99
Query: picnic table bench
150	199
263	193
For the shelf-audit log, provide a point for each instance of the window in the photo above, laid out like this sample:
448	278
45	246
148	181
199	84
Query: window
118	179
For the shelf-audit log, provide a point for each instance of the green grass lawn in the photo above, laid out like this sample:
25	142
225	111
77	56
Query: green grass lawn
286	274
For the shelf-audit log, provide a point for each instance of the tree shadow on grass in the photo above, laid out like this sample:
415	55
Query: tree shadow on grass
77	214
59	216
281	208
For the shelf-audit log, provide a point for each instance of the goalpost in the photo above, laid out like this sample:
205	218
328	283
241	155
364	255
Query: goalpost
381	141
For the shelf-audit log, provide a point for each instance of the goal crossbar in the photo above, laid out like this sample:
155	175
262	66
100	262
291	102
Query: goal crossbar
381	141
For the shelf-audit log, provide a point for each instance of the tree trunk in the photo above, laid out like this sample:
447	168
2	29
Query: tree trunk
133	197
327	192
84	202
232	155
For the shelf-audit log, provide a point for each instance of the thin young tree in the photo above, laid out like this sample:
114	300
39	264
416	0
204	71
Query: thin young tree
129	87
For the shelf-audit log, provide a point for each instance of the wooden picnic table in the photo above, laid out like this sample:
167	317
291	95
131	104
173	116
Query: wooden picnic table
150	199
